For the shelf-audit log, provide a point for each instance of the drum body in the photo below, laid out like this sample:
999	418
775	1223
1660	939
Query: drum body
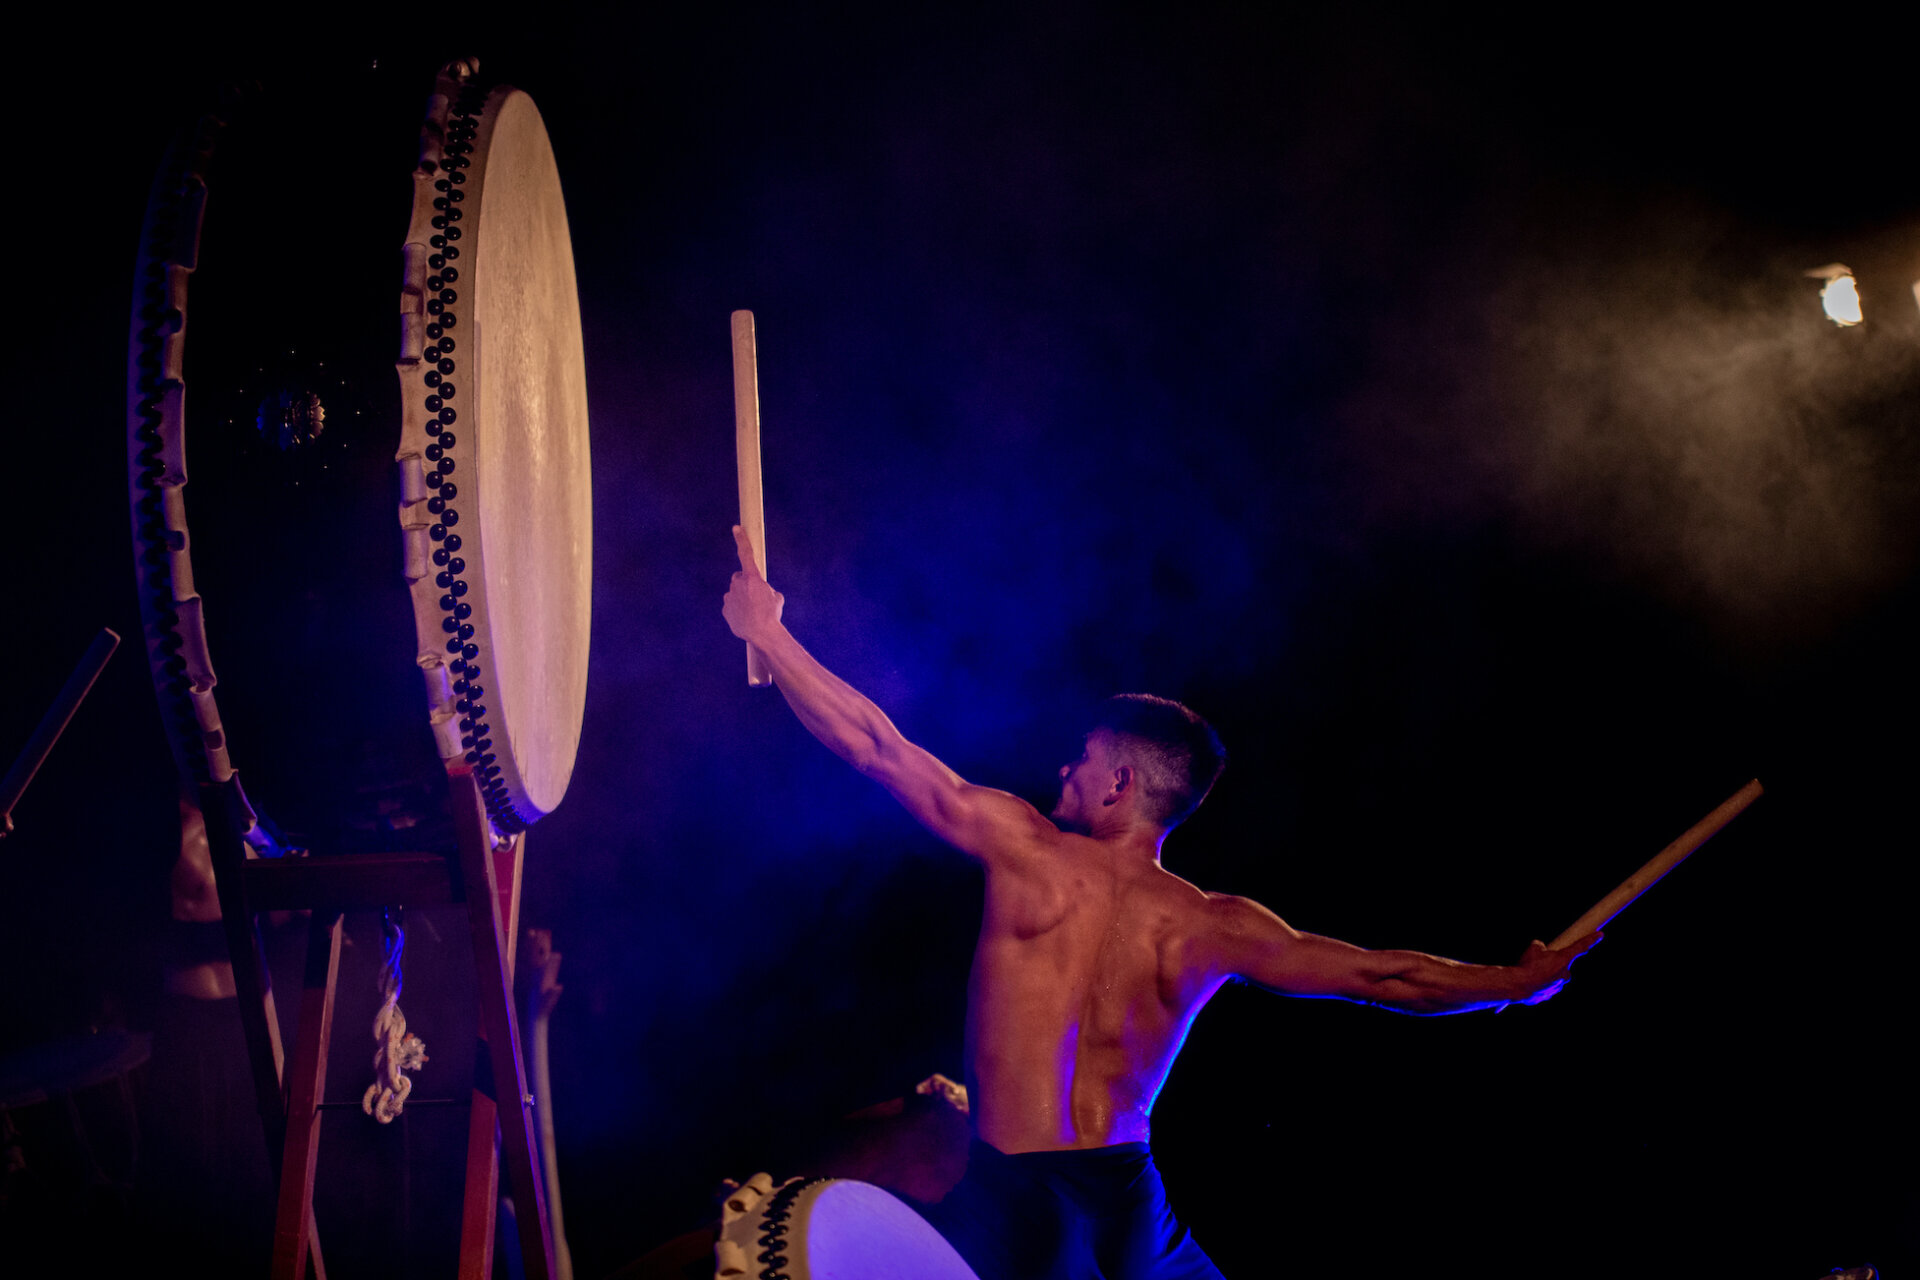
827	1227
265	542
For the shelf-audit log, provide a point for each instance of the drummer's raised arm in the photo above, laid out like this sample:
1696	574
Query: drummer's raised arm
976	820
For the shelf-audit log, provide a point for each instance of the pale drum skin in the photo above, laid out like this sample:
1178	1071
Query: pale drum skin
1093	959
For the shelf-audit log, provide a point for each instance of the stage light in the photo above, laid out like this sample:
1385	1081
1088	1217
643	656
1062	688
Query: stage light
1841	300
1839	297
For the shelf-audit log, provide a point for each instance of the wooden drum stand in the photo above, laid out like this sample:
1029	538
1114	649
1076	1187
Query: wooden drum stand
484	875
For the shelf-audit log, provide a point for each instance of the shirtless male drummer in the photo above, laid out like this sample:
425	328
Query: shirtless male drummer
1092	962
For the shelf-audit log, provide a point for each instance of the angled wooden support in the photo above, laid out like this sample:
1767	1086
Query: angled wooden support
482	1198
222	807
502	1103
306	1087
290	1085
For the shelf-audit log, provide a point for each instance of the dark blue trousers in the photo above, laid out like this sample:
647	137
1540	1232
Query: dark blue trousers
1097	1214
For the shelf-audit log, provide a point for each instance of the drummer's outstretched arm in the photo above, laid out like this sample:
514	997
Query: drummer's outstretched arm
977	820
1248	941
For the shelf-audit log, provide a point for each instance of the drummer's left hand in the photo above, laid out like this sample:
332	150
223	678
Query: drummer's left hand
752	608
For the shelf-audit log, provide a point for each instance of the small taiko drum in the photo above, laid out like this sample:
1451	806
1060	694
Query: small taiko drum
264	538
828	1229
69	1121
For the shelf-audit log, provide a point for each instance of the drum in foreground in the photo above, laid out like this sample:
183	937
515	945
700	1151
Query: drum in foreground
278	560
820	1228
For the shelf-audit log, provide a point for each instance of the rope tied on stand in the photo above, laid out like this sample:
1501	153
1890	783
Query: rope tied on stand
398	1050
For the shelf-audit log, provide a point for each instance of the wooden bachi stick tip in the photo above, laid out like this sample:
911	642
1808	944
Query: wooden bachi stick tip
1661	863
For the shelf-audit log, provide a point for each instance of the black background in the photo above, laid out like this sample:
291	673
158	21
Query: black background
1439	406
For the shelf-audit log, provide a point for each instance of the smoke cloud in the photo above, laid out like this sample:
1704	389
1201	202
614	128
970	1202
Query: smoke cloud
1657	389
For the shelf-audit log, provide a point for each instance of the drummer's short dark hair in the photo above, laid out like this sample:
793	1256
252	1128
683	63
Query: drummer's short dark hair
1177	753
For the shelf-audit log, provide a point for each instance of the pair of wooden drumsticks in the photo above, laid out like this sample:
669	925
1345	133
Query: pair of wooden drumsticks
746	437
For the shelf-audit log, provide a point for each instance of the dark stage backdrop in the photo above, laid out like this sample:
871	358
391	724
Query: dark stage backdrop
1438	406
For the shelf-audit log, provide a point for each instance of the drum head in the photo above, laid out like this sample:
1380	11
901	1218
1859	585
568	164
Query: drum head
535	479
507	311
830	1227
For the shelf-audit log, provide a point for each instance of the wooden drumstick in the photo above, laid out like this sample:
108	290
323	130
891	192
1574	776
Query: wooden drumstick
1666	860
746	449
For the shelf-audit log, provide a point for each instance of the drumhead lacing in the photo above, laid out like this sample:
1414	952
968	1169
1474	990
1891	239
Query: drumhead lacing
500	597
452	157
432	294
775	1226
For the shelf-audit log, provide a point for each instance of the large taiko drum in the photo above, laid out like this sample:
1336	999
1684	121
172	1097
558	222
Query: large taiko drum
828	1229
289	624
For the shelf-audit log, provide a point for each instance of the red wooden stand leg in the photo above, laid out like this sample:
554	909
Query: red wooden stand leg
501	1122
482	1187
293	1239
492	881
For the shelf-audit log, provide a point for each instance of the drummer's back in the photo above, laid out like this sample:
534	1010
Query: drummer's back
1084	982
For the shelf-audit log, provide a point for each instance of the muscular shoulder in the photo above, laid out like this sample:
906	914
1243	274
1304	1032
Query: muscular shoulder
1188	926
1183	915
997	827
1185	899
1230	930
1230	914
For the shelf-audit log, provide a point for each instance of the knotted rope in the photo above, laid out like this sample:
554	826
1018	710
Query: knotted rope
399	1050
